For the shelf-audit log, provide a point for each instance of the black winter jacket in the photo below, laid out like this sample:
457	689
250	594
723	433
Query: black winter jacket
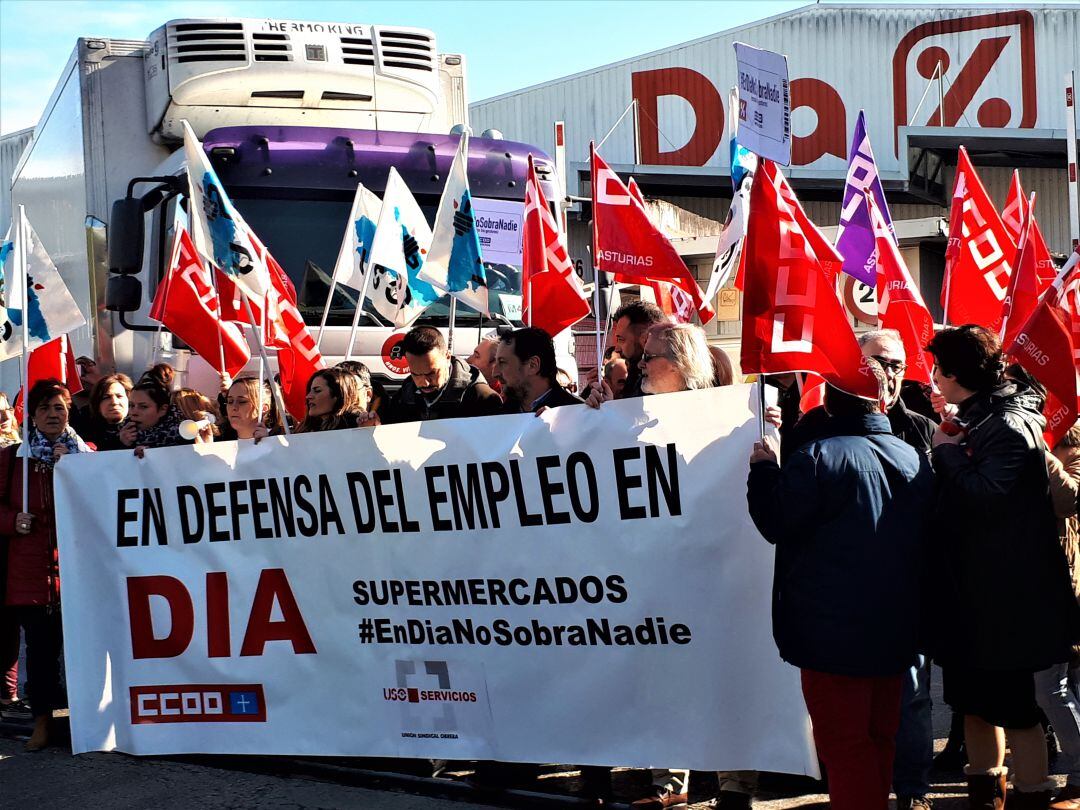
1002	593
465	394
847	515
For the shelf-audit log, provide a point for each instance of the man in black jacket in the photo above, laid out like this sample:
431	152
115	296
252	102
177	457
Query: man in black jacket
440	386
525	368
847	514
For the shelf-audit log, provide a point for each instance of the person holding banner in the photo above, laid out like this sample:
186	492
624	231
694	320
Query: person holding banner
1005	607
629	327
108	410
847	514
243	419
440	386
525	368
32	584
336	401
153	421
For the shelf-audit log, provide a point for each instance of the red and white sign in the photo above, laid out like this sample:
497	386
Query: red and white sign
393	356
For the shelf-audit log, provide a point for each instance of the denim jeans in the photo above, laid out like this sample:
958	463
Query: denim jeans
915	737
1057	691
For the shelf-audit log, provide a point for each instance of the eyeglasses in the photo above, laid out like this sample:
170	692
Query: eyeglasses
895	366
646	357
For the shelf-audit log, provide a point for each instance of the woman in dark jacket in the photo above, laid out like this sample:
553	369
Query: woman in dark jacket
32	585
1005	608
108	410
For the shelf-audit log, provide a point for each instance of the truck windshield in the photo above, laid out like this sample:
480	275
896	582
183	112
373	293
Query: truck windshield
305	235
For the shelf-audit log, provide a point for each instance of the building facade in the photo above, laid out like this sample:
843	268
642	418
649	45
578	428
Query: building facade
930	78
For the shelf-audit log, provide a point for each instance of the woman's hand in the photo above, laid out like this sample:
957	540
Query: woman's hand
140	451
23	522
768	449
773	416
59	449
205	435
128	435
260	432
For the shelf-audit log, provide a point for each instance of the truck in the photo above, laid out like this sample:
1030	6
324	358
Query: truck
292	115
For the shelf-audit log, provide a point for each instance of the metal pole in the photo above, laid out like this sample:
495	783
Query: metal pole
453	317
360	306
326	311
629	107
596	262
941	94
761	406
637	134
265	363
20	257
1070	130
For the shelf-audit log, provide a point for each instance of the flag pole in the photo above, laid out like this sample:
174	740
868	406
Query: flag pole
359	305
761	405
20	257
453	317
326	311
600	326
220	339
264	363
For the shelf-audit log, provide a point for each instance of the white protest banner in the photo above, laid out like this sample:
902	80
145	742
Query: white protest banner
499	223
764	103
585	586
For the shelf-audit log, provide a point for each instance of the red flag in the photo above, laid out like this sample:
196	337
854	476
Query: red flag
792	319
54	360
629	245
978	260
298	355
671	296
812	394
1013	217
1046	346
900	304
1024	286
187	304
552	297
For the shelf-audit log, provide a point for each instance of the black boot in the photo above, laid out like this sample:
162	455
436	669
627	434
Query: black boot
986	789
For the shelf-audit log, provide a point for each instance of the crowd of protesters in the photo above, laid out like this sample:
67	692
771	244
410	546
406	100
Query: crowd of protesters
931	524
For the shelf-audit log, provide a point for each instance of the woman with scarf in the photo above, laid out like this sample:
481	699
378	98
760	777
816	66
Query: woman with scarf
32	581
108	410
153	420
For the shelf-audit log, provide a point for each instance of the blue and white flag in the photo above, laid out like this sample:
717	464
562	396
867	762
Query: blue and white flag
854	235
399	250
359	234
729	249
221	235
455	263
45	301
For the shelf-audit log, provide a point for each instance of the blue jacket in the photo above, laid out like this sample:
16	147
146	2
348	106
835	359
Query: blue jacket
847	515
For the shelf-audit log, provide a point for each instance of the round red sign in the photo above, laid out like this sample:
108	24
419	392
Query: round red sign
393	356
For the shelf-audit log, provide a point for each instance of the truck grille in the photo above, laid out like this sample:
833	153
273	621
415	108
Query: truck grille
403	49
357	51
271	47
209	42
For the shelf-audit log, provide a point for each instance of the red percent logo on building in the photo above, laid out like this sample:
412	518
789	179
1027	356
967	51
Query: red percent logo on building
393	355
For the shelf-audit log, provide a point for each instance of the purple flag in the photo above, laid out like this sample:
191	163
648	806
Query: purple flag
855	236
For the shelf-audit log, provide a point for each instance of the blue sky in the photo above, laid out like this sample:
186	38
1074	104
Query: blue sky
508	44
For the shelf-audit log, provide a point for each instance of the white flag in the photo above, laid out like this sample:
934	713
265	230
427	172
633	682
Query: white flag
455	263
46	302
221	235
359	234
398	252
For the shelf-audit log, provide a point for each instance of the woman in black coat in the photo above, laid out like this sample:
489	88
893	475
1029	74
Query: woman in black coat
1004	605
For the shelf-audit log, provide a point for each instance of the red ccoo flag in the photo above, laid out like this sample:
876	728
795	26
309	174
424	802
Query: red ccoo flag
1013	217
1046	346
298	354
552	297
792	319
54	360
187	304
978	260
900	304
629	245
674	301
1024	286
